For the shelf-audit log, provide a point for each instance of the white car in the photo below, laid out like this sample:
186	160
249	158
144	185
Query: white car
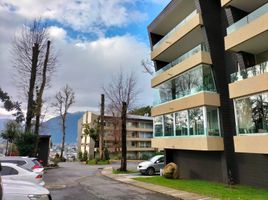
22	190
12	171
151	166
24	162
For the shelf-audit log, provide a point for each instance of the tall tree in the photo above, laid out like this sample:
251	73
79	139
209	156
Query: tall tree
34	64
101	135
122	88
124	137
63	100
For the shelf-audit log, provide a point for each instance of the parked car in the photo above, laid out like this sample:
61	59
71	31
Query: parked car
22	190
152	165
25	162
11	171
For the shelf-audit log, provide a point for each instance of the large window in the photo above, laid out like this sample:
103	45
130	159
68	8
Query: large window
168	125
192	122
158	126
212	121
190	82
252	114
181	123
196	121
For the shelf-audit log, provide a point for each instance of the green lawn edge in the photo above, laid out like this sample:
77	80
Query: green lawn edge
211	189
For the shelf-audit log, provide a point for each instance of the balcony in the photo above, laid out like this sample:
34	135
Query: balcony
193	81
190	143
249	33
198	55
249	81
251	144
245	5
199	99
250	72
164	49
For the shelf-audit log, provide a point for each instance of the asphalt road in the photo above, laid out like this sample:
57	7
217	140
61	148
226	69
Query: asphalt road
76	181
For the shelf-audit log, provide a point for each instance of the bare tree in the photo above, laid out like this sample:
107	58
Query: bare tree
123	88
64	99
34	63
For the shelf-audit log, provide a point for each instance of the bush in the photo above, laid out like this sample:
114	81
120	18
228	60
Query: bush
106	154
25	143
80	155
85	156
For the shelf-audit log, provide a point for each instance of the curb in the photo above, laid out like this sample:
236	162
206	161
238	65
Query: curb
178	194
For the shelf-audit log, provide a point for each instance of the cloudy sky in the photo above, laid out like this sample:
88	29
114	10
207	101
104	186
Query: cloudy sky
94	38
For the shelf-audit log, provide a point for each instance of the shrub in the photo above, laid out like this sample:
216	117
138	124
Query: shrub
85	156
25	143
106	154
80	155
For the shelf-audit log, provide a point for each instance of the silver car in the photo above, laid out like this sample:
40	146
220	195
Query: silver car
152	165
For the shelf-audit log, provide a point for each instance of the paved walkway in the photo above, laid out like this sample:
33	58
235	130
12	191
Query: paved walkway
179	194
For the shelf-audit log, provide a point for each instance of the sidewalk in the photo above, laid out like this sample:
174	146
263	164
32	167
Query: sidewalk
179	194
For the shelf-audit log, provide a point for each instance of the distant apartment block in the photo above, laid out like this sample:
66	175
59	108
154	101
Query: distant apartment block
211	88
139	135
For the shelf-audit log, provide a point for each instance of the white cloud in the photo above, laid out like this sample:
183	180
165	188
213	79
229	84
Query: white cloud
83	15
87	66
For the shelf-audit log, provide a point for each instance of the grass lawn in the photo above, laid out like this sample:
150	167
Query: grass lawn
99	162
115	171
211	189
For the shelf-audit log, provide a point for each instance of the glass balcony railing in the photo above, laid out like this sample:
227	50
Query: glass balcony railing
248	19
197	49
193	81
182	23
250	72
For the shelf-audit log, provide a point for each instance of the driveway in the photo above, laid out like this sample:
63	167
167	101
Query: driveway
76	181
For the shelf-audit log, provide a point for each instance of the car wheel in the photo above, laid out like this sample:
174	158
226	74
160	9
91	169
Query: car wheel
150	171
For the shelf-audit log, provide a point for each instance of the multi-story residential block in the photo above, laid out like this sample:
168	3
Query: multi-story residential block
210	111
139	135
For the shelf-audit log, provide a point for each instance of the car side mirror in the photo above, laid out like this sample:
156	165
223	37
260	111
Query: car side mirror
0	167
157	161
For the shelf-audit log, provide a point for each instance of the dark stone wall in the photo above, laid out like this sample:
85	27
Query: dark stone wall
214	32
253	169
204	165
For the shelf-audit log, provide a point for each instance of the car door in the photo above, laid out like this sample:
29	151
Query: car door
159	164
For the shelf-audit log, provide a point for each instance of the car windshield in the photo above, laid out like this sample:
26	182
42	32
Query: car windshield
155	158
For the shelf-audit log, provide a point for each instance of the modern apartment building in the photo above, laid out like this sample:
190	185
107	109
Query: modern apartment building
139	135
211	106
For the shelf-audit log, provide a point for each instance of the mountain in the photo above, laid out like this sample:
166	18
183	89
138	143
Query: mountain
52	127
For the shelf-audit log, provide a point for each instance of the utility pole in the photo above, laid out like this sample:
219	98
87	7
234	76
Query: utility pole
124	137
101	127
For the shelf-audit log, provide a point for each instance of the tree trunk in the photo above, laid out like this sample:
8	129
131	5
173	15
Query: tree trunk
30	104
39	100
101	145
124	138
63	136
6	154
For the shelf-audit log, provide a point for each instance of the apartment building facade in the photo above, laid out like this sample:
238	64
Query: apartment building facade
210	88
139	135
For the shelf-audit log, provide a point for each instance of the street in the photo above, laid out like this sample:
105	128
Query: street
76	181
